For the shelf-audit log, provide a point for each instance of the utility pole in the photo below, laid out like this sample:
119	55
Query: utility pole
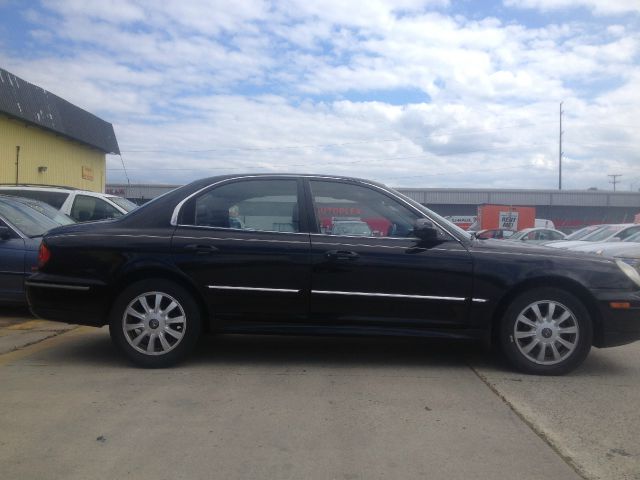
614	179
560	152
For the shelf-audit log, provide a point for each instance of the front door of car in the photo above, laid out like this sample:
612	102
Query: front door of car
246	245
382	274
12	265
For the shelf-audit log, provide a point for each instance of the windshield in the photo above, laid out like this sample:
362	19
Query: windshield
123	203
26	219
583	232
603	233
47	210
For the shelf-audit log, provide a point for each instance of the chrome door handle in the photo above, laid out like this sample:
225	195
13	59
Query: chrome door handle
346	255
200	249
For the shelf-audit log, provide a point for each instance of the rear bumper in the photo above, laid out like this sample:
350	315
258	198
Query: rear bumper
68	300
618	326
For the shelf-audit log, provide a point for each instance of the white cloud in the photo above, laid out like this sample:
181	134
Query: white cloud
598	7
198	87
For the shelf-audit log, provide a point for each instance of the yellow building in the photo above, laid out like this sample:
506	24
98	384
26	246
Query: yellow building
45	140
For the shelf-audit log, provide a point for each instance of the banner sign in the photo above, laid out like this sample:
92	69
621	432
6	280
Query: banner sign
508	221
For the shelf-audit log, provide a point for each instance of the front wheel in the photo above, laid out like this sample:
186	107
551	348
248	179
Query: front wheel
546	331
156	323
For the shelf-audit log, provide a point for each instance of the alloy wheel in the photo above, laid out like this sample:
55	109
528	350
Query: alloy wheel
154	323
546	332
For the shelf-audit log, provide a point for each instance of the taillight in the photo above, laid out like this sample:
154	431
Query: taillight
44	254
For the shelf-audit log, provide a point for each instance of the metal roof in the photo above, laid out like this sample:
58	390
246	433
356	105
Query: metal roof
24	101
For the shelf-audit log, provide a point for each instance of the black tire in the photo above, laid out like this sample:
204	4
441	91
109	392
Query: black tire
162	325
559	358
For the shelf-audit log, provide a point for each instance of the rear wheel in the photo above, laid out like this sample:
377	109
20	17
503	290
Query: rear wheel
156	323
546	331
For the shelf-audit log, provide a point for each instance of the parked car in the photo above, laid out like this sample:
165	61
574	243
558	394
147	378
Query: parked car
175	267
607	233
537	235
497	233
21	226
596	247
81	205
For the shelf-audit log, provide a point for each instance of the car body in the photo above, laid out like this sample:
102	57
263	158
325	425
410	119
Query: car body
496	233
537	235
22	224
81	205
608	233
165	272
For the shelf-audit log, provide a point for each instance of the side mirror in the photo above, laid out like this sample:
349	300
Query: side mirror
424	229
5	233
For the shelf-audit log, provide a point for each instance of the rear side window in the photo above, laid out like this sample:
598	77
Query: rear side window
86	209
267	205
55	199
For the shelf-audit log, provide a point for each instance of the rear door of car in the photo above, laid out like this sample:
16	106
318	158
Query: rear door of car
388	278
245	243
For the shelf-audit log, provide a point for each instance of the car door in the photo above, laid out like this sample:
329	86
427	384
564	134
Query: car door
388	277
12	265
246	245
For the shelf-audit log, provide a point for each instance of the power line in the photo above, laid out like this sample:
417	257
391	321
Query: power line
614	179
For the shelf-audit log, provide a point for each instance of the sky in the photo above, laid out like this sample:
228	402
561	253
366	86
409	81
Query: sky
411	93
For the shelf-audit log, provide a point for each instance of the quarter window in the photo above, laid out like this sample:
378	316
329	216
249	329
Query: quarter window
353	210
267	205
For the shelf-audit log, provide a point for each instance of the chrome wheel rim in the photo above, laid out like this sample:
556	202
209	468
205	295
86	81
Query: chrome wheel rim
546	332
154	323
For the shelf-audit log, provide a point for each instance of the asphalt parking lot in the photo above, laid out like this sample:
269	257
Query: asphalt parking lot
294	407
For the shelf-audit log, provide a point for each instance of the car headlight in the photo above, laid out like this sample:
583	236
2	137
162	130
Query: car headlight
629	271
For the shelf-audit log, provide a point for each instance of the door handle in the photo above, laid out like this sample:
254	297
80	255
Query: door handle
200	249
340	255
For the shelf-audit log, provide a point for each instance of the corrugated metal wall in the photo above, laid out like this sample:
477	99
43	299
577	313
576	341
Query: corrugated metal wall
581	198
62	158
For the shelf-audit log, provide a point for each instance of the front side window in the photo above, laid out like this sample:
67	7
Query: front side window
86	208
354	210
267	205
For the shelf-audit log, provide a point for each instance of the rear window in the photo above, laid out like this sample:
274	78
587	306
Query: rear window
55	199
86	208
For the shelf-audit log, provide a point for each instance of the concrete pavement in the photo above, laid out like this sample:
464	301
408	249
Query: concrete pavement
348	408
262	407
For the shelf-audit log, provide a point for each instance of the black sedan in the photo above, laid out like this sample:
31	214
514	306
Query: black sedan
259	254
